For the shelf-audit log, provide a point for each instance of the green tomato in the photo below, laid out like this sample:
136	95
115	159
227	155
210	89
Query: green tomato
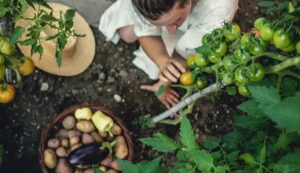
232	31
205	38
298	48
240	75
190	60
228	62
213	57
245	39
218	32
228	78
201	82
220	49
200	60
243	91
256	72
257	47
259	23
5	46
290	48
281	39
241	54
266	32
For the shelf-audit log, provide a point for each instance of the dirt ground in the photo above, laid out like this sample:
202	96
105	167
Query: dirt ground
113	81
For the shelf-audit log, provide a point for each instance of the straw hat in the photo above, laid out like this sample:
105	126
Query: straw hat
78	53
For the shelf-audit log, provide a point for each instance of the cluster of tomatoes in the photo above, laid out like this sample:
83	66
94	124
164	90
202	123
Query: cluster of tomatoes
230	55
9	60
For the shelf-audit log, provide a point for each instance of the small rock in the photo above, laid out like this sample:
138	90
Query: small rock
123	73
45	86
117	98
110	79
101	76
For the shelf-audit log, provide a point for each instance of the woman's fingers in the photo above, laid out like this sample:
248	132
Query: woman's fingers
169	75
148	87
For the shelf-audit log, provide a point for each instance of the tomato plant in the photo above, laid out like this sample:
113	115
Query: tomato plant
281	39
186	78
26	66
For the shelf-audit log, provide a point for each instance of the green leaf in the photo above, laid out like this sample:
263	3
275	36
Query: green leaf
152	166
262	154
202	158
162	89
48	18
222	169
289	86
128	167
70	13
187	136
283	141
160	142
286	113
252	108
1	154
97	170
18	31
289	163
233	156
249	122
211	143
264	96
27	42
231	140
68	24
266	4
248	158
283	5
271	10
231	90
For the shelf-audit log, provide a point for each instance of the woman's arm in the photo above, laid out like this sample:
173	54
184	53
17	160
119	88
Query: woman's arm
170	67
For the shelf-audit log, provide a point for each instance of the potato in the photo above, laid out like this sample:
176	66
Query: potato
73	133
75	147
74	140
61	152
102	168
64	143
62	133
69	122
87	138
53	143
63	167
116	130
107	161
88	171
50	158
114	164
103	134
96	137
111	171
121	150
85	126
78	171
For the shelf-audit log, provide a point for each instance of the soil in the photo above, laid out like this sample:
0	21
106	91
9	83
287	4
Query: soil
113	81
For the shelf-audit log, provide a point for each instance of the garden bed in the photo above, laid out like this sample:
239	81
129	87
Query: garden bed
113	81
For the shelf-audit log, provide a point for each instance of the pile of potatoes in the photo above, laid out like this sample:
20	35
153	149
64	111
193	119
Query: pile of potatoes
78	130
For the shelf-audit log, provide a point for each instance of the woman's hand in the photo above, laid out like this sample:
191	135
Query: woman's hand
171	69
169	98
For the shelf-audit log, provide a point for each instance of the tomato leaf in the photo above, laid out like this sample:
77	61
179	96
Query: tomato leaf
266	4
264	96
211	143
286	113
152	166
252	108
248	122
202	158
128	167
262	154
248	158
289	163
161	143
18	31
70	13
187	136
222	169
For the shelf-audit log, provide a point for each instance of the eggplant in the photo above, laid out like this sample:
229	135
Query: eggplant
87	155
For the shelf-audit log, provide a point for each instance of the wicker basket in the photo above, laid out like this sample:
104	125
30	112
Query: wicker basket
55	125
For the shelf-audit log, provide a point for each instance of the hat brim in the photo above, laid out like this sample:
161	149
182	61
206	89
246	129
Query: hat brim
82	55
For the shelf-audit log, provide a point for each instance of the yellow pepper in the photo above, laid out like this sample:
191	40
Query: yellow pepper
102	122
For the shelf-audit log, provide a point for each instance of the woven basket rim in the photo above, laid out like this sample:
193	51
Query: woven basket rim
60	116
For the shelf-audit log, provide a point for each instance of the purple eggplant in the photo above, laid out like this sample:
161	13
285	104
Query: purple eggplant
87	155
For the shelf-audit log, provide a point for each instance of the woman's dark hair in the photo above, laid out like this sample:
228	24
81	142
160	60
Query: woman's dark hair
154	9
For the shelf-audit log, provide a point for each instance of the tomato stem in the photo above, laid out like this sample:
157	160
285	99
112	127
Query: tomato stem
283	65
